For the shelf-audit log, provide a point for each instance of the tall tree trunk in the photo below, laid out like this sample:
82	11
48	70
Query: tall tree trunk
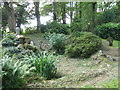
54	12
64	13
93	16
11	16
71	12
80	10
36	4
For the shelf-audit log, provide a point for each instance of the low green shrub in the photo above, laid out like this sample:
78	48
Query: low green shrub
75	27
30	30
55	27
13	73
11	36
83	46
57	42
7	42
108	30
44	64
76	34
9	39
10	51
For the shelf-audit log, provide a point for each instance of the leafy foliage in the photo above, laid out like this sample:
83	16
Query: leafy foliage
44	64
13	73
11	51
108	30
55	27
7	42
83	46
57	42
9	39
30	30
109	15
75	27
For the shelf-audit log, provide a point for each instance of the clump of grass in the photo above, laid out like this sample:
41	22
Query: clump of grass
111	84
44	64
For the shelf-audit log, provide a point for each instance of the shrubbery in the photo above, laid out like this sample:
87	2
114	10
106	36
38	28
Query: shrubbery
83	46
108	30
9	39
11	51
75	27
55	27
30	30
13	73
57	42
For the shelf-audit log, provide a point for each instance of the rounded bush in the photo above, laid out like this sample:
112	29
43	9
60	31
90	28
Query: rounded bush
83	46
55	27
108	30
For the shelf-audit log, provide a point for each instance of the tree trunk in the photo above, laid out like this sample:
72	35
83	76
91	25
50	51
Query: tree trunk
64	13
54	12
80	10
93	16
71	12
11	16
37	14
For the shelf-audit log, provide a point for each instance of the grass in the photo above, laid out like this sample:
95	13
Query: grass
110	84
88	86
116	44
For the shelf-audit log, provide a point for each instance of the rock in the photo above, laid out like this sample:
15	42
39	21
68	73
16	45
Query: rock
110	40
20	46
111	58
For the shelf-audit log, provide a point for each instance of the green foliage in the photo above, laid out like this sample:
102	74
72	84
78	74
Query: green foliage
111	84
9	39
55	27
83	46
13	73
76	34
75	27
11	51
11	36
44	64
7	42
30	30
109	15
108	30
43	28
57	42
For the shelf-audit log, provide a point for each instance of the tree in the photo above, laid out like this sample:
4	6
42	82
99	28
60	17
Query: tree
64	12
93	16
37	14
71	12
11	15
54	11
22	14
